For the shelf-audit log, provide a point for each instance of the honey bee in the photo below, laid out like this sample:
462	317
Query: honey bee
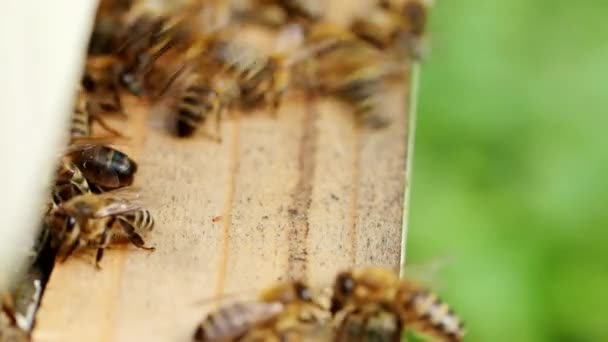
100	84
148	40
109	26
196	103
93	220
264	77
380	27
152	36
102	165
260	77
358	74
375	302
284	312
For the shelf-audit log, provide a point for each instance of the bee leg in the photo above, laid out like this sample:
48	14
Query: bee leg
73	247
105	125
103	243
73	238
133	236
118	101
170	81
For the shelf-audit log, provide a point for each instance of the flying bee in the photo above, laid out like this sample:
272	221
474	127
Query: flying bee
150	37
93	220
375	302
265	77
357	74
102	166
284	312
363	91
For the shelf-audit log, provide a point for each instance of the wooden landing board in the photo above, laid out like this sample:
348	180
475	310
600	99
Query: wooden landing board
300	196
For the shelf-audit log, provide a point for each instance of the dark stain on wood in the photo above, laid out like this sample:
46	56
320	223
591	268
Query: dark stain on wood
297	262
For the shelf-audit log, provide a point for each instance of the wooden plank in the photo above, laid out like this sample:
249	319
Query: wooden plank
300	196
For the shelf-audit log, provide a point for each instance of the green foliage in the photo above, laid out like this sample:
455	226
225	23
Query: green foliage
509	166
411	336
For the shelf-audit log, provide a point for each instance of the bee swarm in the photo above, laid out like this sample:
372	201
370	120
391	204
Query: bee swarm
262	140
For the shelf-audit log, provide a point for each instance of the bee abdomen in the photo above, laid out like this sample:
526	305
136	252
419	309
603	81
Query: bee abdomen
234	320
191	111
437	313
142	220
80	125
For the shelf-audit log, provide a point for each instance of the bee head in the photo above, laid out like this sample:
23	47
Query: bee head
131	82
343	290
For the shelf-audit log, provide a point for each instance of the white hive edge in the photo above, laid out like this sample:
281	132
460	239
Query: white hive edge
43	48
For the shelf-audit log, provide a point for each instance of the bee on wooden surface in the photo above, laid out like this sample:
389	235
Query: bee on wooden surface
93	220
100	84
284	312
375	302
260	76
102	165
197	102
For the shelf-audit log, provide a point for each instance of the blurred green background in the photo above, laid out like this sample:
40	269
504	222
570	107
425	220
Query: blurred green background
509	167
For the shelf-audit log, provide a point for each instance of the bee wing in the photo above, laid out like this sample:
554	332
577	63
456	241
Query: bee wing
119	201
117	208
428	273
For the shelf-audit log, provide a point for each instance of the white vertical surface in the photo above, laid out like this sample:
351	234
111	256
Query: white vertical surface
42	48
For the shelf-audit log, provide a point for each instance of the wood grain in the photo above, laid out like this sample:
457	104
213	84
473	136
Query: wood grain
302	196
